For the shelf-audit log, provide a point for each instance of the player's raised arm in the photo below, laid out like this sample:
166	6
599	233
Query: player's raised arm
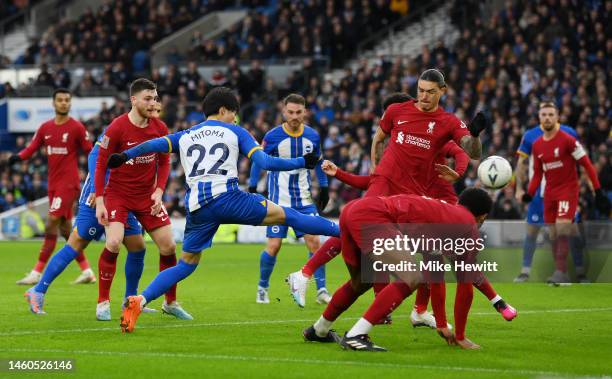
471	144
270	163
165	144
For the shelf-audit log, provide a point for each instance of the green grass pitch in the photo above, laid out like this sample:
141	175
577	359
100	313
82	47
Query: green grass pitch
560	332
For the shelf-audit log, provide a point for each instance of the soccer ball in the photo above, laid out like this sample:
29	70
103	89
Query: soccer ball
495	172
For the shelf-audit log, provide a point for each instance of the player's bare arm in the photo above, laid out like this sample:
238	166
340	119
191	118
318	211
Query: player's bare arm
471	144
378	143
520	173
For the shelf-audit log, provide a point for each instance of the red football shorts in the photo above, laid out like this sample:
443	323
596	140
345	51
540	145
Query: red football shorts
361	221
560	209
61	202
118	207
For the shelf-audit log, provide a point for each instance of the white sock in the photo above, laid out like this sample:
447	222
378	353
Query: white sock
495	299
322	326
88	271
525	270
362	326
143	302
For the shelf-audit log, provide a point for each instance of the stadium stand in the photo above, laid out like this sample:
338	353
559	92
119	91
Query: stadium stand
490	65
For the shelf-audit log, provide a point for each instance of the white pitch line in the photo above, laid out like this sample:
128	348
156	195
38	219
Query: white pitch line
277	360
263	322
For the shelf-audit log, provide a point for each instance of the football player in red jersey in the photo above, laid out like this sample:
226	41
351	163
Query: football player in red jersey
62	137
418	130
136	187
555	155
385	213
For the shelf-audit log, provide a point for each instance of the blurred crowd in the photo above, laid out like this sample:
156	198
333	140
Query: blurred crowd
506	62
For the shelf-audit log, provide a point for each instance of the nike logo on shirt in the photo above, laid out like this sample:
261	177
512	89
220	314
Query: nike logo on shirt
47	137
131	143
401	122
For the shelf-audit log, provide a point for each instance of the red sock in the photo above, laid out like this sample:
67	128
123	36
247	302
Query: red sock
45	252
107	265
82	261
378	287
562	248
167	261
438	303
463	302
486	288
422	298
328	251
343	298
386	301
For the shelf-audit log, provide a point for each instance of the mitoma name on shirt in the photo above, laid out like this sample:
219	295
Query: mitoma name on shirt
57	150
553	165
413	140
206	133
144	159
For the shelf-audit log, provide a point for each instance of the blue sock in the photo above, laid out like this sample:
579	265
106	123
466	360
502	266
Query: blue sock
266	266
319	275
529	247
56	266
134	265
308	224
167	278
576	251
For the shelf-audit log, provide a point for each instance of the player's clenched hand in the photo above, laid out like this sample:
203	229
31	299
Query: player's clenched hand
157	201
446	173
311	160
117	160
101	213
329	168
91	200
478	124
447	335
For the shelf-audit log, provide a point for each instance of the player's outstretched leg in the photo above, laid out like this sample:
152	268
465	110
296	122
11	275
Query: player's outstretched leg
298	281
507	311
162	282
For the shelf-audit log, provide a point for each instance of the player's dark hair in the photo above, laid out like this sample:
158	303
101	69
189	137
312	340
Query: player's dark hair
294	98
476	200
61	90
220	97
433	75
397	97
141	84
